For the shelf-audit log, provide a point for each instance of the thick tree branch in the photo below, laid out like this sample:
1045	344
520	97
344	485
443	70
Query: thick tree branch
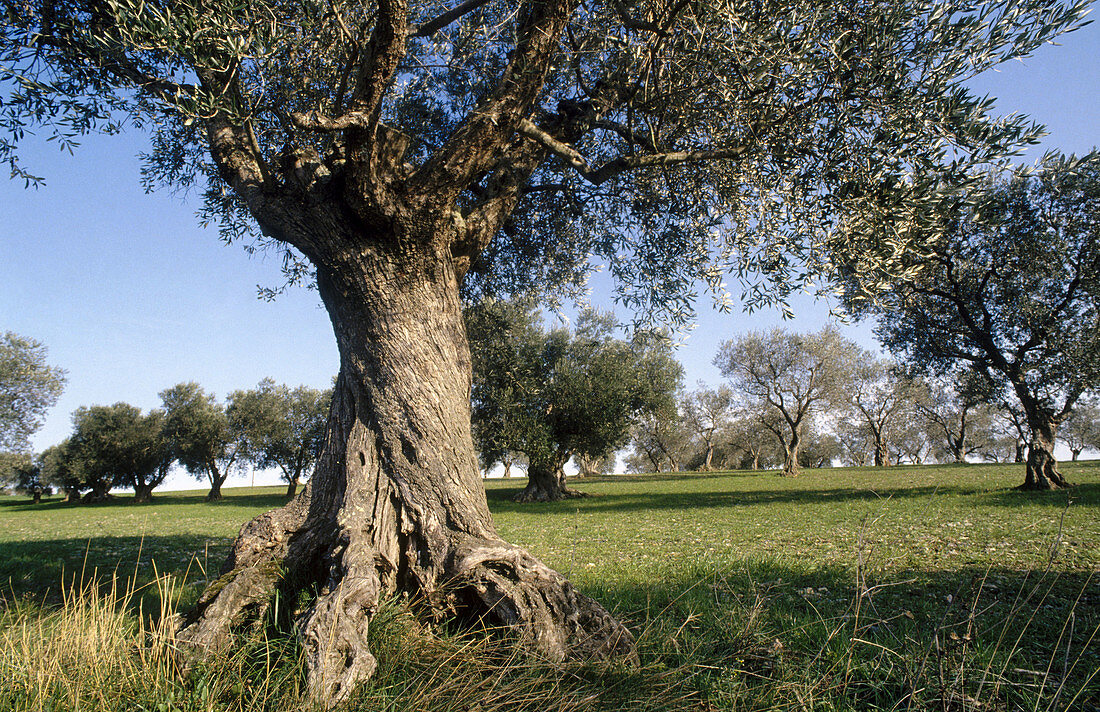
430	28
622	164
474	147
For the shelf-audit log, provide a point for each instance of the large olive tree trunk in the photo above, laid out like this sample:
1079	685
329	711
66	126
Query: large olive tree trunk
396	503
1042	467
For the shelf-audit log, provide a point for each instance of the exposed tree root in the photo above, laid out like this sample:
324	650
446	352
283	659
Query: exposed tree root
478	580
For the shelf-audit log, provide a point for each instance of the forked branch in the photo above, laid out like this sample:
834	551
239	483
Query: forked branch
598	176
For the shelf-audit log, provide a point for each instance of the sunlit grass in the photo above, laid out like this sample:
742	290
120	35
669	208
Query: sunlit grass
902	588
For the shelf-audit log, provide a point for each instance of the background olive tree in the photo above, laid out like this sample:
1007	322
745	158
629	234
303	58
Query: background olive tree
28	388
790	375
1012	290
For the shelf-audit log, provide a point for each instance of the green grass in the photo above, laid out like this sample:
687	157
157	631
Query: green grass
934	587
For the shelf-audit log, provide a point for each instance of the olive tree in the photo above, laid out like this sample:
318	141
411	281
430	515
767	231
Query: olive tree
878	396
1081	429
28	388
117	446
202	437
790	375
957	415
404	151
707	413
1012	289
660	441
560	394
280	427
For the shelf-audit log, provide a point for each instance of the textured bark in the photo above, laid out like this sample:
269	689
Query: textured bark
396	502
792	446
1042	467
546	483
882	453
143	493
292	487
216	482
709	457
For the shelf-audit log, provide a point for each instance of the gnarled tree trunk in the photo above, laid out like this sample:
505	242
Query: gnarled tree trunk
396	502
143	493
792	448
546	481
217	479
1042	468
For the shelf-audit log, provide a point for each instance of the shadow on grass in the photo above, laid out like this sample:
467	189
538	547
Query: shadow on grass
1002	635
258	500
500	500
46	571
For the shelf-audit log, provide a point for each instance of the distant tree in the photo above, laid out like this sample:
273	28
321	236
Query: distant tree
281	427
28	388
749	445
556	395
958	417
910	442
25	476
819	449
1010	423
1081	429
791	374
856	442
878	396
1013	290
202	438
660	440
10	465
115	445
153	456
706	412
57	467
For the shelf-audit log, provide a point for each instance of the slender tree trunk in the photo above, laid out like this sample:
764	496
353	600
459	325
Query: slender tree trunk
1042	468
37	496
1021	448
507	467
292	486
792	447
396	502
217	479
709	457
1075	453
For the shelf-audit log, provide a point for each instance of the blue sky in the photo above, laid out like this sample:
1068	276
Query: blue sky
131	296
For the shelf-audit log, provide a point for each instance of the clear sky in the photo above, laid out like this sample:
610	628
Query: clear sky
131	296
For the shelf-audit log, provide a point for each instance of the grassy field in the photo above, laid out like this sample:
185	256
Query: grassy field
901	588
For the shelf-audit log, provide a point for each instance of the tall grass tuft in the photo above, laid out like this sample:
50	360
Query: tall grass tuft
96	651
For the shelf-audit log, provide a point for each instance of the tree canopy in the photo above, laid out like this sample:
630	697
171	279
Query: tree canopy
733	134
202	437
1012	290
28	388
556	394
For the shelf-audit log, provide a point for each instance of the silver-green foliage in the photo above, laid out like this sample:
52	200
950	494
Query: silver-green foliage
678	141
28	388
